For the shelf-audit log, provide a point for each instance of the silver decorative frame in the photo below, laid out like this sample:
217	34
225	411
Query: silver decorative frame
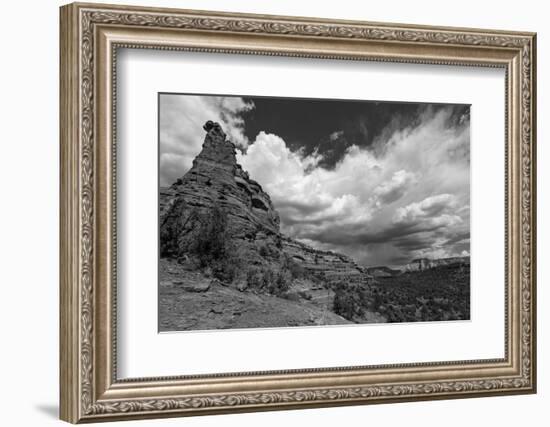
90	35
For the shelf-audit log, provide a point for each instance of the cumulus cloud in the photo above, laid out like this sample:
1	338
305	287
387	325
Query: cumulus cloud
406	196
395	188
428	208
181	134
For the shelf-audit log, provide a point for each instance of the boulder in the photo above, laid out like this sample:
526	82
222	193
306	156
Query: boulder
217	282
201	286
198	285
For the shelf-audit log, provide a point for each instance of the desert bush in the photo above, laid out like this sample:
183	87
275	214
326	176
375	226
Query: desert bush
268	277
344	305
291	296
276	282
214	248
376	300
264	251
281	283
211	241
295	269
349	301
254	279
168	243
171	229
305	295
228	268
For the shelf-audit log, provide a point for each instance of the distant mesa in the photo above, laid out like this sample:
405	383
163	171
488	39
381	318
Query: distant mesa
422	264
383	271
419	264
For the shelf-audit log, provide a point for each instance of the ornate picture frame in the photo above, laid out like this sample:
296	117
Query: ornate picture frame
90	37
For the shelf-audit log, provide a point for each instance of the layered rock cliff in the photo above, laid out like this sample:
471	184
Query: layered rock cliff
216	182
422	264
331	265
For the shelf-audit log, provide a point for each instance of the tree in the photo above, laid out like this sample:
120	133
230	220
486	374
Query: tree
211	243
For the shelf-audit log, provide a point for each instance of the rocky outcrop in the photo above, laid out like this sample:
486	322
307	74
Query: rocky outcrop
422	264
331	265
216	182
383	271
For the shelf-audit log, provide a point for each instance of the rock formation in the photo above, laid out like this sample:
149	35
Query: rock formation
331	265
383	271
217	183
422	264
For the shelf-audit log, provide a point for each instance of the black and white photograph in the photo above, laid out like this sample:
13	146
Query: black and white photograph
292	212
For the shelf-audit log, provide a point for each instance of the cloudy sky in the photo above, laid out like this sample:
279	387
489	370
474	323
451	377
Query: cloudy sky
382	182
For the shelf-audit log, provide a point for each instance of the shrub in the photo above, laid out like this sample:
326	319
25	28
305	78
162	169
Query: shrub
226	269
344	305
349	301
211	242
295	269
305	295
264	251
281	283
265	278
172	228
268	277
377	300
254	278
168	243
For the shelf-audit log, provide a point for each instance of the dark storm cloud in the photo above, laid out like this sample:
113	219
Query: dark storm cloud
297	211
404	235
332	126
